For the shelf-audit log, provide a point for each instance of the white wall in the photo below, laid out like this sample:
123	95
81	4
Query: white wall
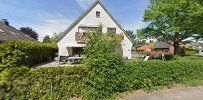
90	19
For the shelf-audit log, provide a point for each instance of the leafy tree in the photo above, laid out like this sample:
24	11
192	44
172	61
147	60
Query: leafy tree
173	20
47	39
132	36
104	66
30	32
55	37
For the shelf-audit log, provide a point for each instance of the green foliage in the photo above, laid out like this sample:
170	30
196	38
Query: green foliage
21	53
190	58
173	20
62	83
105	66
132	36
47	39
191	51
168	57
148	75
23	83
55	37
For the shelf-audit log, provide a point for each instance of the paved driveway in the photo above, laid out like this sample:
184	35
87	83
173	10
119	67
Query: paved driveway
190	93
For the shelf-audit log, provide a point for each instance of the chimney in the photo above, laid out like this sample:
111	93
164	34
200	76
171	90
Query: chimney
5	22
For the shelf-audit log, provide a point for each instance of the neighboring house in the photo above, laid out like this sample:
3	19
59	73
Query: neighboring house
163	47
73	39
146	48
201	49
9	33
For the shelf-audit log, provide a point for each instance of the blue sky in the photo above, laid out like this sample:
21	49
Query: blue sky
49	16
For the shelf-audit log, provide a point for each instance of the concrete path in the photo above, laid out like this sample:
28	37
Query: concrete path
189	93
53	64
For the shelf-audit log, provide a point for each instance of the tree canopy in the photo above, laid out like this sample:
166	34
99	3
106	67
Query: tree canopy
47	39
55	37
30	32
173	20
132	36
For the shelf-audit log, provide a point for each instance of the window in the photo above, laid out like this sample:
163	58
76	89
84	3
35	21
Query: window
111	30
98	14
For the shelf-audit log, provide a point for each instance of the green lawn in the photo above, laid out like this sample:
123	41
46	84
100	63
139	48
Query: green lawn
193	57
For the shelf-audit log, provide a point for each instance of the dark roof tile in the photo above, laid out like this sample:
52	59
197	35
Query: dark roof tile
161	45
9	33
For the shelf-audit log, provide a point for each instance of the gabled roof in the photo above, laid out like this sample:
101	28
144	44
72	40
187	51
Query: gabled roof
85	13
161	45
9	33
145	47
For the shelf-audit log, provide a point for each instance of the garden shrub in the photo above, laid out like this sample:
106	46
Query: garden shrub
23	83
104	74
168	57
21	53
20	83
105	66
191	51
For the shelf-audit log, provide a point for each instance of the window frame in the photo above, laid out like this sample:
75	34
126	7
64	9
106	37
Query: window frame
98	14
111	29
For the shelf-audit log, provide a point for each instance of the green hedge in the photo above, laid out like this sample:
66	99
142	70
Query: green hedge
150	74
22	83
21	53
168	57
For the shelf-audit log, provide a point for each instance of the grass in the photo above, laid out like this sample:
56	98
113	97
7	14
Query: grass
193	57
196	82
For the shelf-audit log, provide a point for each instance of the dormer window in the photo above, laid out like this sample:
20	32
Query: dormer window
97	14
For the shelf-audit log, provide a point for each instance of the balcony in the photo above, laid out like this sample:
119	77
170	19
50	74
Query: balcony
80	37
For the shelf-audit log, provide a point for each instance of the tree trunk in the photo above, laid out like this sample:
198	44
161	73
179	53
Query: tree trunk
176	43
176	47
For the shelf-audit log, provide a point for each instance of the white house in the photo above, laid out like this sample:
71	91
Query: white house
70	43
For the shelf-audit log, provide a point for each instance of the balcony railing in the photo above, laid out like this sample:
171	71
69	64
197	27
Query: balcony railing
80	37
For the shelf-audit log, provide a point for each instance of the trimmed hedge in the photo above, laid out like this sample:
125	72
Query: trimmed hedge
23	83
169	57
150	74
21	53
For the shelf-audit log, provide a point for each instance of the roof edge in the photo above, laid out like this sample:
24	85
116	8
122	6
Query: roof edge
85	13
78	20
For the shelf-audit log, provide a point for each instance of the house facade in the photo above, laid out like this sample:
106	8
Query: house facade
72	41
166	48
163	48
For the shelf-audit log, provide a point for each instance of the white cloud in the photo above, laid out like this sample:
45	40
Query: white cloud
134	26
50	23
84	4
